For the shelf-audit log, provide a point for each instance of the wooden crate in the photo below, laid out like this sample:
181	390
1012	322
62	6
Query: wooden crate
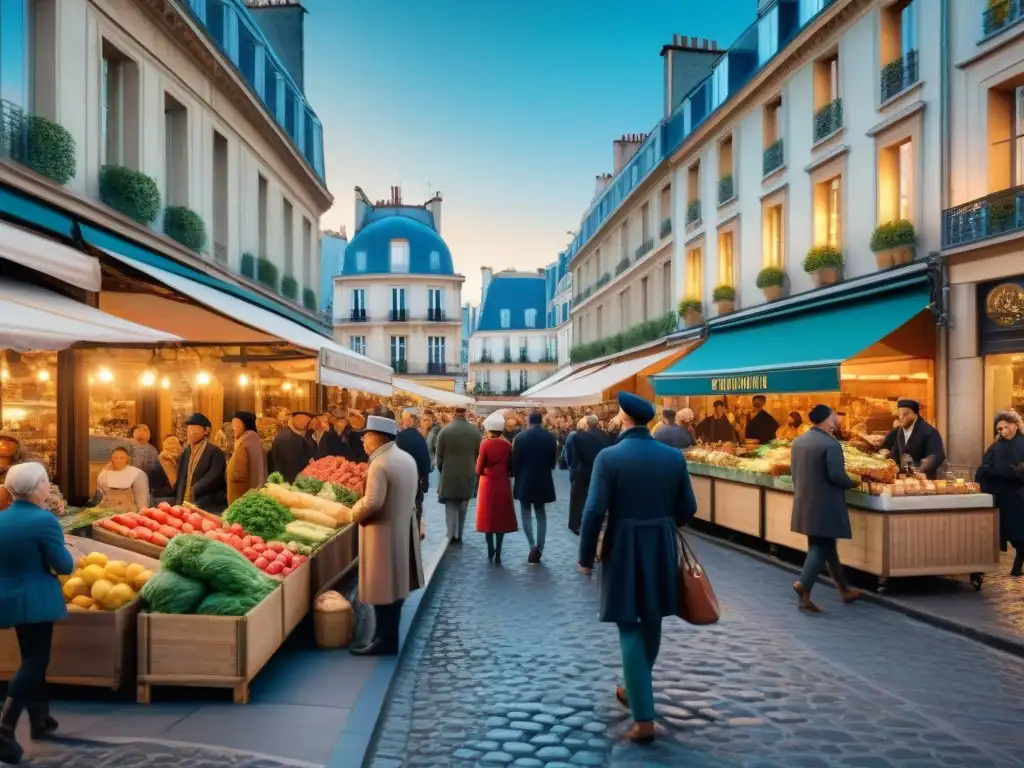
130	545
91	648
297	596
209	651
702	491
334	559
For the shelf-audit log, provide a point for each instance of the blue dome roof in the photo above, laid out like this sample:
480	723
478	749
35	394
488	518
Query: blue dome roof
375	241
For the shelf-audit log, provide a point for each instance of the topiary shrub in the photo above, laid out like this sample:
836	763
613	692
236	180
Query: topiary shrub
892	234
823	257
771	277
248	266
309	299
723	293
186	226
289	287
132	193
689	305
44	146
267	274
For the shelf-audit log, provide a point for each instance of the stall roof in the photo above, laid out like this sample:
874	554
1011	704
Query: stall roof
50	257
587	387
430	393
791	354
554	378
33	318
363	370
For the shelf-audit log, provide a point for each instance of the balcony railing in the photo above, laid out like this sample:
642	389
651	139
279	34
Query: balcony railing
400	366
524	355
485	357
725	189
437	369
514	391
549	358
622	266
357	316
507	357
483	389
693	212
997	214
899	75
645	247
1000	15
435	315
666	227
398	315
828	119
773	156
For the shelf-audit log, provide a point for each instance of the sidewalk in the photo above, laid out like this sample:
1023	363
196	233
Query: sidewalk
308	707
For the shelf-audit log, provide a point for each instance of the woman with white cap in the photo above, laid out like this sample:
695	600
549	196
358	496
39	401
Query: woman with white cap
495	509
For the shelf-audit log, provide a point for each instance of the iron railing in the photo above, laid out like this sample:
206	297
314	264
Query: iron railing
899	75
1000	15
828	119
357	316
435	315
645	247
398	315
725	189
693	212
997	214
666	227
437	369
400	366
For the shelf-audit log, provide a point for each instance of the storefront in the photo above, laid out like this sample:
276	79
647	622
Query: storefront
1001	345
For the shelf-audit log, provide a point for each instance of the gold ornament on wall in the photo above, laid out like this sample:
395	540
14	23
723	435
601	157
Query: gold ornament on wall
1004	304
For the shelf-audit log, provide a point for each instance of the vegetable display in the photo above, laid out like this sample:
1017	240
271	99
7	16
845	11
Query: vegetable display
99	583
309	508
338	493
169	592
308	484
158	525
339	471
259	514
275	478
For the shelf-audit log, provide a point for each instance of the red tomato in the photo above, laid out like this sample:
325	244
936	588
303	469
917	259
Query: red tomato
275	568
285	557
209	525
164	506
261	563
298	560
259	546
237	529
251	554
277	546
212	535
160	541
286	572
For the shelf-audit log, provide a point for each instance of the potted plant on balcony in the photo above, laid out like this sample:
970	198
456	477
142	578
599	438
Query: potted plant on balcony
690	311
309	299
44	146
130	192
823	263
893	243
248	265
185	226
724	297
771	281
290	287
267	273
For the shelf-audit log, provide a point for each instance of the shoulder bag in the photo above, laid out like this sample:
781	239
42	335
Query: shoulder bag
695	599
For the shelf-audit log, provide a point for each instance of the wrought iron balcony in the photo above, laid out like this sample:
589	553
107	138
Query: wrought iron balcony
666	227
524	355
645	247
357	316
485	357
549	358
622	266
773	156
436	315
398	315
992	216
1000	15
899	75
693	212
437	369
828	119
507	357
400	366
725	189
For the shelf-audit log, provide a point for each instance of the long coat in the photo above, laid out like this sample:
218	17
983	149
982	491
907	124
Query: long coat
292	453
820	483
1002	475
534	458
389	541
638	555
457	448
495	511
31	551
247	467
925	447
581	451
412	442
674	436
334	444
209	483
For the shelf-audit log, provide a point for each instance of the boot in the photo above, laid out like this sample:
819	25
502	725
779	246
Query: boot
10	750
1018	562
490	547
42	722
385	632
846	592
805	603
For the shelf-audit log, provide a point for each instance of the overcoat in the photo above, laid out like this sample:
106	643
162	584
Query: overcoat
32	554
1002	474
581	451
334	443
820	483
292	453
534	458
247	467
457	448
389	541
924	446
675	436
209	484
639	560
495	510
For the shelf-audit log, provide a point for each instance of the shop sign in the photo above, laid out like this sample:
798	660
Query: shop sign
352	365
821	378
1001	316
740	384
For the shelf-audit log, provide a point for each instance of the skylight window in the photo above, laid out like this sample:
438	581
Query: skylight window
506	318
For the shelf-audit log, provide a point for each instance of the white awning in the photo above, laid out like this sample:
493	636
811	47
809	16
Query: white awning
361	372
332	378
33	318
430	393
587	387
50	257
554	378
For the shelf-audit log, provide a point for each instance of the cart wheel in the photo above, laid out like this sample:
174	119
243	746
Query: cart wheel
977	580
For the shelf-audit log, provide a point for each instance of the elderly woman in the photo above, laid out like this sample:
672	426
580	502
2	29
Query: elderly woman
247	468
1002	474
32	554
124	487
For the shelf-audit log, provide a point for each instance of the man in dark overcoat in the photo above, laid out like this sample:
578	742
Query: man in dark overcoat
534	458
639	556
916	439
292	449
412	441
458	445
671	433
202	470
581	451
820	482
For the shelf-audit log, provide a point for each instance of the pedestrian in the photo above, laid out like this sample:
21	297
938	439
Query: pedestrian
32	556
202	469
914	441
247	467
458	446
318	427
143	453
820	482
639	559
337	440
431	429
495	509
293	449
1001	474
412	442
13	455
389	546
534	458
671	433
356	424
581	451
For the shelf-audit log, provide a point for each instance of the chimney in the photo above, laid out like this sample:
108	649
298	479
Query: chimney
434	206
603	180
624	148
396	196
362	209
688	60
283	23
486	273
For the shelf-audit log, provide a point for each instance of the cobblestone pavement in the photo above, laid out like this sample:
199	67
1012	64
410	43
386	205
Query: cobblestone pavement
92	754
510	666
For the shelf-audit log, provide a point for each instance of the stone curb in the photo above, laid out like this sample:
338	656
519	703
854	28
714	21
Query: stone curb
998	642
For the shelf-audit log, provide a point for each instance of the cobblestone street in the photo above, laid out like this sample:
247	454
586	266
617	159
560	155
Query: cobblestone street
510	666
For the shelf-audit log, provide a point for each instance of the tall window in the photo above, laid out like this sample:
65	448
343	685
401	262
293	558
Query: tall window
774	253
175	150
435	304
666	287
436	350
645	222
767	35
360	261
624	309
398	349
726	259
16	52
506	318
288	221
623	241
399	255
119	92
524	379
828	217
359	303
665	206
694	274
307	252
261	212
398	299
808	8
220	198
720	83
644	300
435	261
530	318
357	344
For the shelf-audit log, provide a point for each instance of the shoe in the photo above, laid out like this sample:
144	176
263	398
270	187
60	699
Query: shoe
1018	564
640	733
621	696
497	558
376	647
850	595
10	750
490	551
42	722
805	604
534	556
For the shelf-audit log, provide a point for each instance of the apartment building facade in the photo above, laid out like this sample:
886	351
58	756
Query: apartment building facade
398	298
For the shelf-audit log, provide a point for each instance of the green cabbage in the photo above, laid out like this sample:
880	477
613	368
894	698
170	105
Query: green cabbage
182	553
218	566
222	604
169	592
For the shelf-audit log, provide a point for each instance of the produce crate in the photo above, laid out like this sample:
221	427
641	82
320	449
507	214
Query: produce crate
91	648
209	651
131	545
296	596
334	559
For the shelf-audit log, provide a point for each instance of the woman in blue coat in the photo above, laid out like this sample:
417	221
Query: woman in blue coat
32	555
638	554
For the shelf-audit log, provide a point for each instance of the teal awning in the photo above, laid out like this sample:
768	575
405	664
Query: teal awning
790	354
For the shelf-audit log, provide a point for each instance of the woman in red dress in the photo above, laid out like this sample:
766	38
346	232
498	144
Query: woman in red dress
495	510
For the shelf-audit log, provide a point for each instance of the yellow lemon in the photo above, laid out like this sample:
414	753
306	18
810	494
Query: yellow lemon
80	563
101	590
119	596
82	602
63	578
93	573
96	558
74	587
94	607
133	570
116	570
142	579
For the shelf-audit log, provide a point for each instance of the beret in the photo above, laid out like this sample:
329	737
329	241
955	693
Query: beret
906	402
635	407
819	413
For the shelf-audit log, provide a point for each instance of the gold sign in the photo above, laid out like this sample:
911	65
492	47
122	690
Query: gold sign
745	383
1004	304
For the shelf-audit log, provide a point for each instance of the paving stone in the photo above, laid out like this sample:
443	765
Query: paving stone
528	762
519	748
553	753
466	754
545	740
497	758
526	726
504	734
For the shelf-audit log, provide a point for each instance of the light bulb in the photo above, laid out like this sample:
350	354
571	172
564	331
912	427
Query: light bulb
202	378
105	375
286	386
243	380
4	374
43	375
148	379
299	391
165	383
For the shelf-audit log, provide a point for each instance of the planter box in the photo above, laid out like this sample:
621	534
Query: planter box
692	317
334	559
91	648
772	292
894	257
296	597
825	276
725	307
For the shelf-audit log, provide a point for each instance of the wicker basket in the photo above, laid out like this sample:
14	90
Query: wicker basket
334	621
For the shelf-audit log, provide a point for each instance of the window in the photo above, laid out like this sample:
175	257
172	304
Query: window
397	349
828	105
624	309
176	152
530	318
720	83
435	350
524	380
896	181
435	261
16	66
398	300
694	278
693	212
307	253
357	344
399	255
665	210
506	318
119	91
767	35
773	233
220	199
261	213
666	287
435	304
726	182
645	223
271	85
726	259
644	309
359	303
600	323
508	380
810	8
247	47
898	48
360	261
287	226
828	216
291	104
623	242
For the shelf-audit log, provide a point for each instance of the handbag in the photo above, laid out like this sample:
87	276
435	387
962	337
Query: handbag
695	599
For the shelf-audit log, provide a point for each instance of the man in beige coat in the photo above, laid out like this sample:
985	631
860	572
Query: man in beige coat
389	542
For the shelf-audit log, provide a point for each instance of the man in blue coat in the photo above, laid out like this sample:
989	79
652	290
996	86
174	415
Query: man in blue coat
644	489
534	458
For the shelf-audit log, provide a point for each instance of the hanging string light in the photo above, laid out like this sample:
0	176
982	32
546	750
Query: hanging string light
202	378
148	379
104	375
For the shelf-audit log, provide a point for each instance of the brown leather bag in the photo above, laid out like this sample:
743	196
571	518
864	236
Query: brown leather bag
695	599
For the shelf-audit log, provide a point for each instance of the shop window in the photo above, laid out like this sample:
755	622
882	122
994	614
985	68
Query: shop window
828	216
694	279
896	181
288	225
400	256
726	259
261	214
28	403
175	151
773	236
119	109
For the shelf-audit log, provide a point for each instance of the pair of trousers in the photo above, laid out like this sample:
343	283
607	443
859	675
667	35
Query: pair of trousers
419	505
640	643
29	682
494	542
525	509
386	622
820	552
455	516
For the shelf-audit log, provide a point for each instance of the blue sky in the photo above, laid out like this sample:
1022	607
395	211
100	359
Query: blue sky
508	108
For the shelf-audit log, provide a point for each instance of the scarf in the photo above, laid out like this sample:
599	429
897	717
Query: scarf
193	462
